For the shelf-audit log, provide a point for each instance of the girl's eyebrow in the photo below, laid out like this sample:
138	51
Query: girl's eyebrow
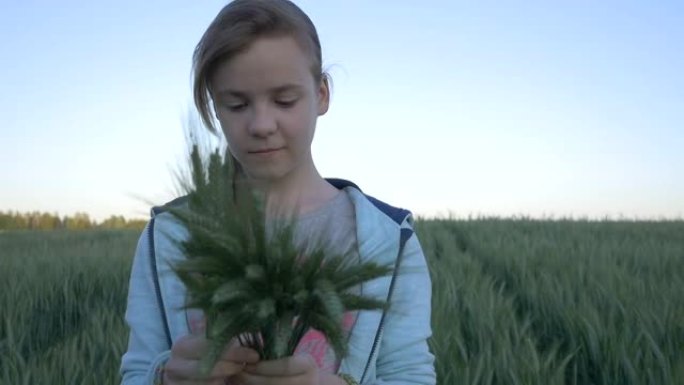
275	90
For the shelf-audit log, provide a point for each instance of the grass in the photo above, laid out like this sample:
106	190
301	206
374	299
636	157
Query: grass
63	295
514	302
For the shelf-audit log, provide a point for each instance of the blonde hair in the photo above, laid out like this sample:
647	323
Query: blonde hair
235	28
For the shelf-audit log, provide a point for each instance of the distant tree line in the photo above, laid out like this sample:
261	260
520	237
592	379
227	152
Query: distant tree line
12	220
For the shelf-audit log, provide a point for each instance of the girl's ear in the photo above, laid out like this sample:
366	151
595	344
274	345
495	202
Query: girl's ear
323	96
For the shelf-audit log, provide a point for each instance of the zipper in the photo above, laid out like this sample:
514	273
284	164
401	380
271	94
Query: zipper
403	237
155	278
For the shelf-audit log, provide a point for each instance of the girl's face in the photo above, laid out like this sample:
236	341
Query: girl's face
267	102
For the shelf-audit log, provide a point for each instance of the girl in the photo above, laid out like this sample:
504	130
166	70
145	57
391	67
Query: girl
257	70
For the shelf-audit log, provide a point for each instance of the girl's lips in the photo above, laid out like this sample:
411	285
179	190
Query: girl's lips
266	151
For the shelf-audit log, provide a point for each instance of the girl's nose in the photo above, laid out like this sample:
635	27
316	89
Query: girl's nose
262	122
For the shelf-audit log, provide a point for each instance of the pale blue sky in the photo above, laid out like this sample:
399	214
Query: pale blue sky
493	107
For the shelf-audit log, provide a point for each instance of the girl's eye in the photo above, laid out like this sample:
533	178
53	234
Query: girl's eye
236	107
286	103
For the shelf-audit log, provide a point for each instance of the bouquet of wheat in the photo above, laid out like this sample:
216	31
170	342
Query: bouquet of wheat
260	289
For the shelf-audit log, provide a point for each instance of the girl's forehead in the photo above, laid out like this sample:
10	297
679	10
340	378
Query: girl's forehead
267	64
229	91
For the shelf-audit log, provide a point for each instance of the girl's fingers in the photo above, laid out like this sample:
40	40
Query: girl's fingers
220	381
184	370
188	351
194	347
240	354
284	367
190	347
226	369
253	379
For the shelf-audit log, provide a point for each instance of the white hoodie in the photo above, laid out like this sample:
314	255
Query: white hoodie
384	348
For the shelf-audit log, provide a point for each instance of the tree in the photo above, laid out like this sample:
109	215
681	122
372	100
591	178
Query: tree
80	221
114	222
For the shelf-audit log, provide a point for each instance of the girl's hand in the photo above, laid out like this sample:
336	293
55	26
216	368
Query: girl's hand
296	370
183	366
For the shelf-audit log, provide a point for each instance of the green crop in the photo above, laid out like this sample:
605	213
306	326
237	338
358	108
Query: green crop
514	302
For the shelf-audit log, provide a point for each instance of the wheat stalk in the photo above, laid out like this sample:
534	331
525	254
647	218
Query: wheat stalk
263	290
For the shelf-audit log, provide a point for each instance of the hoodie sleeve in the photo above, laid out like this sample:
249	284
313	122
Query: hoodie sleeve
147	344
404	356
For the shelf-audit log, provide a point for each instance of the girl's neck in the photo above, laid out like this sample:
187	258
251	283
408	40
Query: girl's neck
296	194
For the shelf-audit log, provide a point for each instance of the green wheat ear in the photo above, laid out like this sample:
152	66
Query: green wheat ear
254	285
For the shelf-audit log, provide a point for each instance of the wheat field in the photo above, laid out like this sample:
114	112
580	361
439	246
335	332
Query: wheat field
514	302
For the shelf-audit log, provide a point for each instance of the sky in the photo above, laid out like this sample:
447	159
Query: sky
447	108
